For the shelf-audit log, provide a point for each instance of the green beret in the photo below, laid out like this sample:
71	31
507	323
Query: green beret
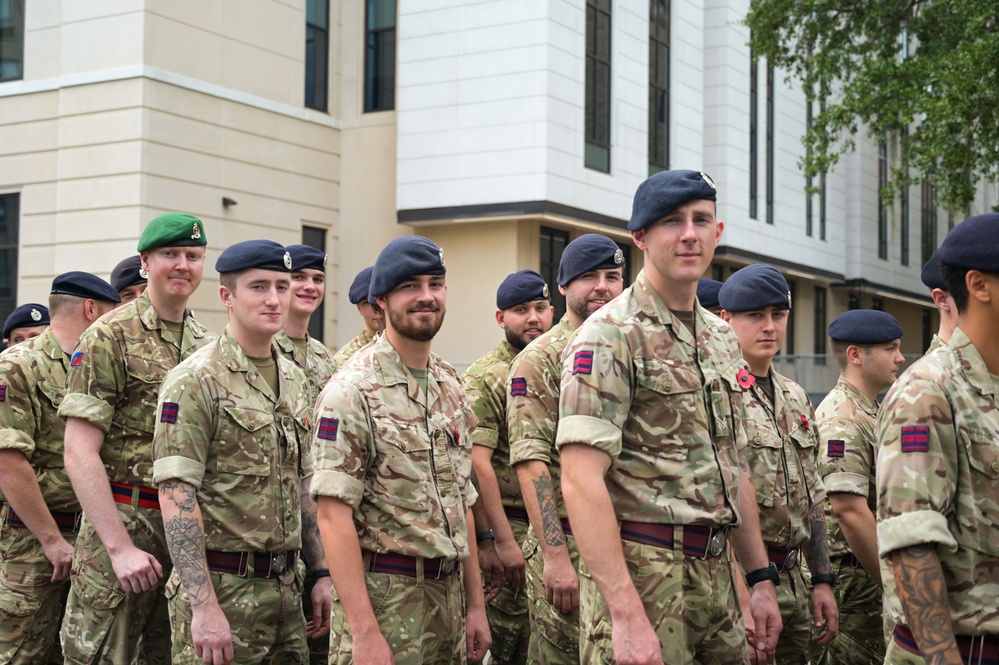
173	229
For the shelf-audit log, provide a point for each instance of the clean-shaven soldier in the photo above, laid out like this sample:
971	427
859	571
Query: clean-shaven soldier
865	344
27	321
39	513
128	279
374	317
116	612
783	457
654	471
589	276
393	482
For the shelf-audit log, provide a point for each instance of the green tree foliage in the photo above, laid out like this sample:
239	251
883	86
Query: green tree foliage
922	73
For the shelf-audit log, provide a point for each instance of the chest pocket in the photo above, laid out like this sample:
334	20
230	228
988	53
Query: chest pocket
49	449
667	407
979	519
142	387
764	456
806	464
296	450
400	471
242	439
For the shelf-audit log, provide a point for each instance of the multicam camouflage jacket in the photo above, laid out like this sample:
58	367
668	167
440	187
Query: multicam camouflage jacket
316	361
353	346
664	404
782	456
485	387
532	403
114	381
400	456
32	384
938	478
845	420
221	429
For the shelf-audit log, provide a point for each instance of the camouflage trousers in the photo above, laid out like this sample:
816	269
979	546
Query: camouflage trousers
555	635
31	606
861	638
509	620
896	655
794	603
265	618
691	603
319	648
104	624
423	620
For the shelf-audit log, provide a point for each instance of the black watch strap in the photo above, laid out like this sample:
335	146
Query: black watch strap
824	578
770	573
485	535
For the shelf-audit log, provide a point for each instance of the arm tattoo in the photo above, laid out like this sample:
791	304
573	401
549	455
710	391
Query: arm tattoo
550	522
312	542
181	494
818	549
923	592
186	541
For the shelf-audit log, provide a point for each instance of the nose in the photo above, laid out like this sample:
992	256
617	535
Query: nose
687	231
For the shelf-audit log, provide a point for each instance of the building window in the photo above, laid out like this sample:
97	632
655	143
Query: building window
598	85
718	273
753	133
904	225
877	304
553	243
11	40
927	329
658	85
928	232
789	337
882	204
314	237
770	144
820	321
10	226
317	53
379	56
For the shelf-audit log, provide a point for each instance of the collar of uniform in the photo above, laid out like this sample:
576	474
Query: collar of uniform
394	370
49	345
232	353
506	351
869	407
970	362
147	313
653	305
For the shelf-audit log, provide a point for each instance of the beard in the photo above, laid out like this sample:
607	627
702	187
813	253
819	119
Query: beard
518	341
419	330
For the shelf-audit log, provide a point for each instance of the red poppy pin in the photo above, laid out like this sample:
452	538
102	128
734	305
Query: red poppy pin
745	379
804	422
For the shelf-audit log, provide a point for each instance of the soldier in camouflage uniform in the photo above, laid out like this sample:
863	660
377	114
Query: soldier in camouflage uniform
865	344
938	472
589	276
393	483
231	458
116	611
374	317
27	321
128	279
39	514
931	278
524	311
308	286
654	472
783	458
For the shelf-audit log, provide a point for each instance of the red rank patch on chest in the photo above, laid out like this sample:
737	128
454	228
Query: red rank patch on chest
3	393
915	439
837	447
518	386
77	359
169	412
582	362
328	428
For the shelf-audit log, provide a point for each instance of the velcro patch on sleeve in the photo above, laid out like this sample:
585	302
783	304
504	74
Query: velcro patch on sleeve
582	362
915	439
3	393
837	447
77	359
518	386
328	427
169	412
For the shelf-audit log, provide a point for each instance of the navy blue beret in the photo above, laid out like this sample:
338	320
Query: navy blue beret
402	259
930	275
359	287
973	244
707	292
127	273
263	254
84	285
523	286
591	251
666	191
865	326
28	315
754	288
304	257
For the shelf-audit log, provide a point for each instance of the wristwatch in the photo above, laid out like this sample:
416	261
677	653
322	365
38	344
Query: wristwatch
485	535
764	574
824	578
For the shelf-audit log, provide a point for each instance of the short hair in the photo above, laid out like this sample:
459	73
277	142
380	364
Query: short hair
61	304
954	278
228	279
839	348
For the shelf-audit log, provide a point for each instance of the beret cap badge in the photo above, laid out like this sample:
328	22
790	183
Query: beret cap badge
619	256
36	315
287	260
196	232
545	292
441	252
707	179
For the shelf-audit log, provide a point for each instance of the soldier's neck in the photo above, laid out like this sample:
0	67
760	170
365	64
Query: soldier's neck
296	327
67	333
855	378
979	324
413	354
168	309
